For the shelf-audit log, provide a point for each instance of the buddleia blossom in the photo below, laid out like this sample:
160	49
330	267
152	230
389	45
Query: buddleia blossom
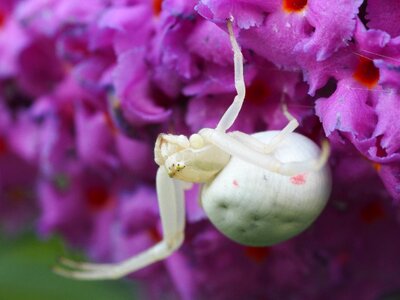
86	87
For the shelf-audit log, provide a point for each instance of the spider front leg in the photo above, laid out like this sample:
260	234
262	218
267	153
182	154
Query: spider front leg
255	144
251	154
172	212
233	110
288	129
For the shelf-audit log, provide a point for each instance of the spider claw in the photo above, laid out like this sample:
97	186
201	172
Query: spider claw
79	274
84	271
82	266
63	272
68	262
324	156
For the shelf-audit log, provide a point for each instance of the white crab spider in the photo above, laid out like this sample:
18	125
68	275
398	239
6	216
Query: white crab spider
258	189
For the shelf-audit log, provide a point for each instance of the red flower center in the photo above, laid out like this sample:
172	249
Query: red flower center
154	234
16	194
258	254
294	5
366	73
372	212
3	146
110	123
2	19
380	151
97	197
257	92
157	6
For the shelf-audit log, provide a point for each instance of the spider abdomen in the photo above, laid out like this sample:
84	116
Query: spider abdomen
256	207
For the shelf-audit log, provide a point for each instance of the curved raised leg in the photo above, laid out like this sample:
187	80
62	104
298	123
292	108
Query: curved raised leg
250	154
294	168
289	128
171	202
255	144
233	110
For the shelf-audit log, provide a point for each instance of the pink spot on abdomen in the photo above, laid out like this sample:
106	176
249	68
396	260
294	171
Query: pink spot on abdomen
235	183
298	179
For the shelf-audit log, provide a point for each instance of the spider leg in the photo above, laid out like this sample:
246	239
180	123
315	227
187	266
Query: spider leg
289	128
293	168
81	265
172	212
249	141
248	153
237	148
276	140
233	110
261	147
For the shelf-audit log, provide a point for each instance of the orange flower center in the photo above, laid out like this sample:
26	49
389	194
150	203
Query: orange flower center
366	73
377	167
294	5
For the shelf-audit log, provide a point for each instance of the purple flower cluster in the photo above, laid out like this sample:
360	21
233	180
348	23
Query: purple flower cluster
86	86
